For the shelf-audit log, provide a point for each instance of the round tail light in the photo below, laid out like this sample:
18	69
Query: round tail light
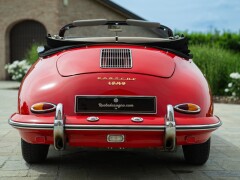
187	108
43	107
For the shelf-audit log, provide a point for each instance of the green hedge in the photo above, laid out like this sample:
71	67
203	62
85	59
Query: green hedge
227	40
216	64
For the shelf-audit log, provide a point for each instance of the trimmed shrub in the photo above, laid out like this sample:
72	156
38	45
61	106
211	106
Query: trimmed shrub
226	40
216	64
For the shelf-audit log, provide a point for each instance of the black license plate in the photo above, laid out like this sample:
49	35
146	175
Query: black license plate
116	104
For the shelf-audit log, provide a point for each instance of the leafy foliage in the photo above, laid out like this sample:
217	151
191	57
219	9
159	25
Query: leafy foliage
32	55
234	86
216	64
17	69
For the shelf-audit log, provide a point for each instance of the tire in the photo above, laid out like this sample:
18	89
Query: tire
34	153
197	154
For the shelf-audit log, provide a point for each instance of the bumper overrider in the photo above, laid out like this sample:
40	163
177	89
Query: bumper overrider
170	127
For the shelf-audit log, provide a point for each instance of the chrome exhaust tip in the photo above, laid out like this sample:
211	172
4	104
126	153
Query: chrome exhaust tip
58	130
170	130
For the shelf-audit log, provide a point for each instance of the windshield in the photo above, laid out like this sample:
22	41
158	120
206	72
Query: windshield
104	31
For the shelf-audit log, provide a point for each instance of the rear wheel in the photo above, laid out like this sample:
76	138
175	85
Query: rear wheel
197	154
34	153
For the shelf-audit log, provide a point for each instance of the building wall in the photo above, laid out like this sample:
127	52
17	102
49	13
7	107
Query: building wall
86	9
14	11
53	15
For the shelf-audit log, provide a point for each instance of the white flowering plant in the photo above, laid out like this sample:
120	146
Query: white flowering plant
18	69
234	86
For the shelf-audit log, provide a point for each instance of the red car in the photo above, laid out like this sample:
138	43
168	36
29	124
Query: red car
116	91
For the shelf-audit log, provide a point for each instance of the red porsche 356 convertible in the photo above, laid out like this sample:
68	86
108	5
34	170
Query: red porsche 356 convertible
116	91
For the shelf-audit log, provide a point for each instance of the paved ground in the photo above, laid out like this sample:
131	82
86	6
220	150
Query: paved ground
224	162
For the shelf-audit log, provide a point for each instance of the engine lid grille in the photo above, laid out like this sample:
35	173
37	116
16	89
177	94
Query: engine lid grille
116	58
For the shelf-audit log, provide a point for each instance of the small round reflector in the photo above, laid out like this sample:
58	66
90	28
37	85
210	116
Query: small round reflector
187	108
43	107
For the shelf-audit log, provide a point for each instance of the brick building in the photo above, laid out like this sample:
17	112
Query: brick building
24	22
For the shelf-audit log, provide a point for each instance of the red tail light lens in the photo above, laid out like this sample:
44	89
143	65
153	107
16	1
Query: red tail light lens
43	107
187	108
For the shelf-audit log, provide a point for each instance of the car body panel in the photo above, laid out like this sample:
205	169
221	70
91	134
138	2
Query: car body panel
160	69
187	84
149	57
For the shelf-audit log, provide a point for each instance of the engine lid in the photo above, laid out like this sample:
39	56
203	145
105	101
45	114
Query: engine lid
112	59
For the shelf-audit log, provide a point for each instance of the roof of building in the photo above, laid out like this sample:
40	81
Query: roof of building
120	9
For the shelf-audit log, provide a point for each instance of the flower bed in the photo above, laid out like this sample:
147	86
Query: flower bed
18	69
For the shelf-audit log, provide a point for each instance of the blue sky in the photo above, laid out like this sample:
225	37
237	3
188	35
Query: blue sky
191	15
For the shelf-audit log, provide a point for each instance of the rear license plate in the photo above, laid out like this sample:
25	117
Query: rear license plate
116	104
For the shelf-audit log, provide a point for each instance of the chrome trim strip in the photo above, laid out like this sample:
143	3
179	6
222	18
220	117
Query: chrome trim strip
29	125
58	129
199	127
114	127
170	130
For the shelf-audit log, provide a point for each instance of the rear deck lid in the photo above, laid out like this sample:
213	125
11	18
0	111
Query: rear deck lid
126	59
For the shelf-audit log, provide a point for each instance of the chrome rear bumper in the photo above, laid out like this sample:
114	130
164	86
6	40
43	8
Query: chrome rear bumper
169	128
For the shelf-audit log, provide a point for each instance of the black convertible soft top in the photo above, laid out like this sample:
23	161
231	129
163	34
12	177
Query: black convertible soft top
166	41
